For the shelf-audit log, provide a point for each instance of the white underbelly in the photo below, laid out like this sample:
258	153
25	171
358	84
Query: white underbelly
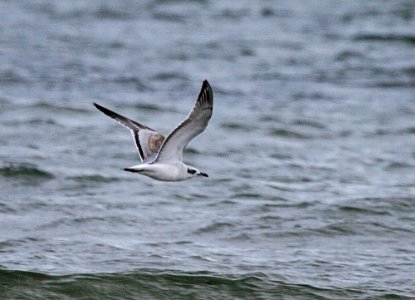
165	172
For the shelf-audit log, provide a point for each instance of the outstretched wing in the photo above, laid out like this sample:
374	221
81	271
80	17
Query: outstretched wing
147	140
194	124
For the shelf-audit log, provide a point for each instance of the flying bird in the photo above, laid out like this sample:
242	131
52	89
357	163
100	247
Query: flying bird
162	158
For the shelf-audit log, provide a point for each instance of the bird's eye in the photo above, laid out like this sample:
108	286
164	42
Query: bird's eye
191	171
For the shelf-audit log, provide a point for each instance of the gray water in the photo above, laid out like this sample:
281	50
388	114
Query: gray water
310	150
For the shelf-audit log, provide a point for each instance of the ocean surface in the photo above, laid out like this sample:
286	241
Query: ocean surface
310	151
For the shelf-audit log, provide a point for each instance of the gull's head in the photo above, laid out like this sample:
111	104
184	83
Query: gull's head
191	172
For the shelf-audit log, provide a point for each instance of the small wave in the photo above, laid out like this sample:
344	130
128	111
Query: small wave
11	76
246	195
148	107
362	210
25	171
393	84
234	14
267	207
94	179
237	126
5	208
192	151
373	37
229	91
398	165
339	228
281	132
309	123
313	96
166	76
267	12
101	12
105	12
215	227
169	17
408	130
349	228
381	204
349	55
394	132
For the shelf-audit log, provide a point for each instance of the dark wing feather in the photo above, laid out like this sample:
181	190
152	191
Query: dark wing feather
194	124
147	140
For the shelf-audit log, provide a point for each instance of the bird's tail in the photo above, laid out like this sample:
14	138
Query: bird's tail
132	170
135	169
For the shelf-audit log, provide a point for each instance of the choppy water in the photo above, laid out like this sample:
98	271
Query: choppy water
310	151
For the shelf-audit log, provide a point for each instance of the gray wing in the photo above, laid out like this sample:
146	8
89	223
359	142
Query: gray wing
147	140
194	124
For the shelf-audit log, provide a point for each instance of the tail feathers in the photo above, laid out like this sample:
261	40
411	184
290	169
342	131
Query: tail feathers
131	170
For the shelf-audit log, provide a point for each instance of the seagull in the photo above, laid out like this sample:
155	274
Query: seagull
162	158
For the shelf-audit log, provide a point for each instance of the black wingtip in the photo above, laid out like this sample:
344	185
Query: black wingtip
106	111
206	87
98	106
205	83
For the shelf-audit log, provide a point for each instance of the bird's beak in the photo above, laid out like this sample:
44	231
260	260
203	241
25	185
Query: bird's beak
203	174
